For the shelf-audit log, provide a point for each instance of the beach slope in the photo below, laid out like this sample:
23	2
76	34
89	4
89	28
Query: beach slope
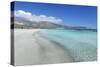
31	48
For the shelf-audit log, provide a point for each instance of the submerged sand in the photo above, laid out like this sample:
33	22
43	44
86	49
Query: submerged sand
31	48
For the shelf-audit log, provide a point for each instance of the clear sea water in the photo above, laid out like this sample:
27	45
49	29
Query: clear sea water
81	45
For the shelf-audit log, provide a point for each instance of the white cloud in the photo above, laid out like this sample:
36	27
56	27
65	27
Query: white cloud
28	16
22	13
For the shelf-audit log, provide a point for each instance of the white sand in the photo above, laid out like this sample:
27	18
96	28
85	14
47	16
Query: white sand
31	49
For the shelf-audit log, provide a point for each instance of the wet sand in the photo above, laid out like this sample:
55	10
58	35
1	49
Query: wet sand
32	49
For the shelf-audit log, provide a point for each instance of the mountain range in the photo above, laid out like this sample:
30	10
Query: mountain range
25	24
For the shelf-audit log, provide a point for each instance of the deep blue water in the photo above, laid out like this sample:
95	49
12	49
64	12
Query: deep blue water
81	45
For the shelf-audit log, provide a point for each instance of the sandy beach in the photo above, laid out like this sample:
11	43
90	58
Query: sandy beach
31	48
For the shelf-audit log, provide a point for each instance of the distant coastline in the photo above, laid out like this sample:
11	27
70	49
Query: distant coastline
47	25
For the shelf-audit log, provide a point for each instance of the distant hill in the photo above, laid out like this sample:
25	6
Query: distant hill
25	24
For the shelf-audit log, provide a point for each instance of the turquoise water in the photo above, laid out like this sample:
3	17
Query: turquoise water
81	45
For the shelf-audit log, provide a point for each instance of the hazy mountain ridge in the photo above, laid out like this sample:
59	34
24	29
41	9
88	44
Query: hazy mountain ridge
25	24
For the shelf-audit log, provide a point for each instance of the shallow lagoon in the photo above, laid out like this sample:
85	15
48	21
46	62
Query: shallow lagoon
81	45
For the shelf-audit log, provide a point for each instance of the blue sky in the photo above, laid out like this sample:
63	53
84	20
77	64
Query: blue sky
73	15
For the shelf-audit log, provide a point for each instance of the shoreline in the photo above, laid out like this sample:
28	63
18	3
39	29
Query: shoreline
30	49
